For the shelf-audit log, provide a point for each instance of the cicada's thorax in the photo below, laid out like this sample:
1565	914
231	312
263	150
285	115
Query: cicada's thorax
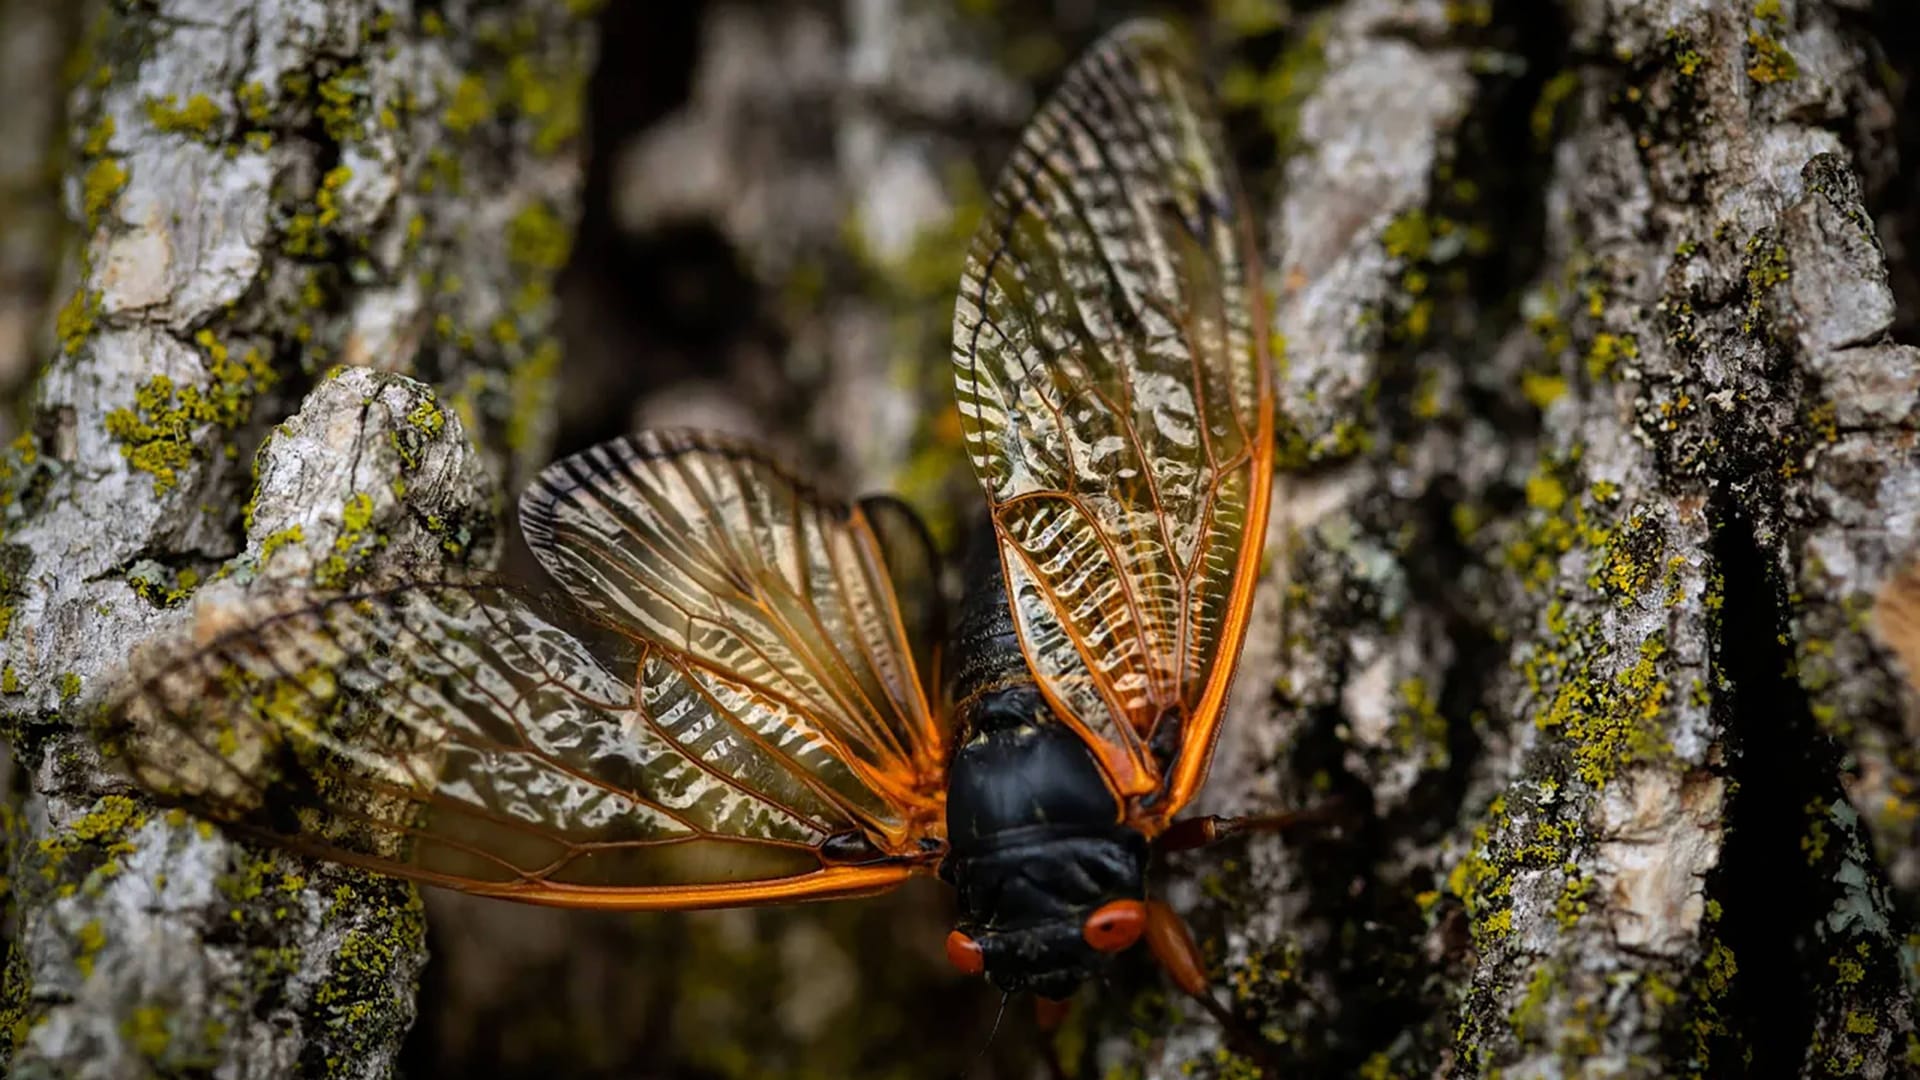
1037	840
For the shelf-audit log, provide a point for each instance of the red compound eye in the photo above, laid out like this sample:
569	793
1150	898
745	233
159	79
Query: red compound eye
1115	926
964	954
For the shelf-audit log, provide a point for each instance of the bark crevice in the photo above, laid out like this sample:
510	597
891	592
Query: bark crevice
1780	765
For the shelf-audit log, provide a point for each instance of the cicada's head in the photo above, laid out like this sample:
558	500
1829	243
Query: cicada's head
1050	914
1053	956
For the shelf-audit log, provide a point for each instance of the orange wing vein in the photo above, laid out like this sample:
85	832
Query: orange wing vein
708	551
1116	396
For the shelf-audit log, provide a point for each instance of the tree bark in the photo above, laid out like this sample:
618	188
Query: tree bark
1598	447
1607	450
260	192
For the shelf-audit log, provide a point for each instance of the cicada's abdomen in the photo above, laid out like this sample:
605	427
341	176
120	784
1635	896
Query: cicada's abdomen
984	653
1015	764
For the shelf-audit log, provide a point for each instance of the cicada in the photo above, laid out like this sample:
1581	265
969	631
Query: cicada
785	714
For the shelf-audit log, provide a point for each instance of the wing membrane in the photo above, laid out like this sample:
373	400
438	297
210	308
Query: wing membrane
453	735
759	588
1115	394
914	567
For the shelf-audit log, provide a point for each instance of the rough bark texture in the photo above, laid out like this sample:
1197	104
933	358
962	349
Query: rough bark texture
1599	441
260	192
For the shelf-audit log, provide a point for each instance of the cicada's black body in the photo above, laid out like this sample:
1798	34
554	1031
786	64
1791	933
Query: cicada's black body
1036	839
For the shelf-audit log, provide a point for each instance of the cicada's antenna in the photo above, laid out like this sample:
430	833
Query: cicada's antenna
988	1045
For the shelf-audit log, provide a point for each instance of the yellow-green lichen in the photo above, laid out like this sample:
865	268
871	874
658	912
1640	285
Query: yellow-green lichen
292	534
1409	235
1572	901
1542	390
1418	727
1469	13
552	100
1813	842
1767	266
100	188
157	435
360	997
91	847
1607	351
1686	59
1546	492
1249	18
98	137
1768	60
259	877
88	941
1529	1015
342	106
1711	984
74	324
1554	94
326	199
468	105
354	544
161	589
1633	558
530	388
254	102
1280	90
537	239
1560	523
146	1029
199	118
523	78
1611	723
427	417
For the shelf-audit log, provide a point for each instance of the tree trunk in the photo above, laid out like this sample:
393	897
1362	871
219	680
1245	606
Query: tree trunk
260	192
1608	449
1598	449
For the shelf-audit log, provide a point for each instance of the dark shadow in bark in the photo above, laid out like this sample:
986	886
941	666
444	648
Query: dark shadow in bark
641	311
1780	762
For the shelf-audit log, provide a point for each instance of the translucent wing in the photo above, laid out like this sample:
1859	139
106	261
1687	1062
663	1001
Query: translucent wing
755	585
452	735
1116	396
914	566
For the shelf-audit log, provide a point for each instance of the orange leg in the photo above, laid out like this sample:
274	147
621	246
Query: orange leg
1049	1015
1199	832
1173	946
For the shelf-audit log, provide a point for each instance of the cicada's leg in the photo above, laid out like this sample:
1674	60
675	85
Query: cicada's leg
1199	832
1173	946
1048	1015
